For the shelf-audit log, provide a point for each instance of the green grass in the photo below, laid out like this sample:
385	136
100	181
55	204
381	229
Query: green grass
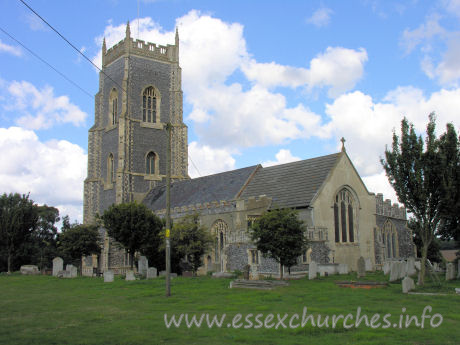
48	310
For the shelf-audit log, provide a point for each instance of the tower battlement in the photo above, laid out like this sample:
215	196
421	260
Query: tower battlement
167	53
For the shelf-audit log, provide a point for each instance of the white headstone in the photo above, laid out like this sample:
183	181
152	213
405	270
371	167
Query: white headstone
29	270
142	265
361	267
418	265
450	271
108	276
410	267
58	265
368	265
72	271
343	269
312	270
394	271
407	284
151	273
130	275
402	269
386	267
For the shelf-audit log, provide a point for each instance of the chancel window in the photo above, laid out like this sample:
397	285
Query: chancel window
151	163
113	106
344	216
150	105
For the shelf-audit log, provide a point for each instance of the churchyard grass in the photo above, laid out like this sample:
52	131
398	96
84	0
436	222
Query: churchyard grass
49	310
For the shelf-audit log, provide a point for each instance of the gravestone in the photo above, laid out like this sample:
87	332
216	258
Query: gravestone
450	271
72	271
312	270
361	267
29	270
342	269
410	267
368	265
108	276
58	265
386	267
394	271
151	273
223	275
142	266
407	284
187	274
171	275
130	276
418	265
402	269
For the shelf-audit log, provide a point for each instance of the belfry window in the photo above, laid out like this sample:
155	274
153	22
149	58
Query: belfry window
110	169
151	163
150	105
344	216
113	106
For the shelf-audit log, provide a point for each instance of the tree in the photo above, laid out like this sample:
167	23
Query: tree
280	235
190	241
18	219
78	240
45	235
433	253
130	224
418	177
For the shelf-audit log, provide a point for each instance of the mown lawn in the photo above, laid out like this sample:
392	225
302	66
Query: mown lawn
48	310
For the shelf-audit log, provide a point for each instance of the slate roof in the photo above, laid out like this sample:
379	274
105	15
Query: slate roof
223	186
292	184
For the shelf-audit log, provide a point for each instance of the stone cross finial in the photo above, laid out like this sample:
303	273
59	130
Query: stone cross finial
177	35
104	47
343	144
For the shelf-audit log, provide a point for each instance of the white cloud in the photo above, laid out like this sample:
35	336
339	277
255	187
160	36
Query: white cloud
40	108
283	156
452	7
35	23
378	183
16	51
367	125
53	171
208	160
337	68
321	17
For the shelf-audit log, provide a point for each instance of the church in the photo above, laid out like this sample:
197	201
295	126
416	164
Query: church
139	93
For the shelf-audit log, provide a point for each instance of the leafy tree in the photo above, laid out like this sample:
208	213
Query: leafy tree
78	240
190	241
130	224
44	236
18	219
279	234
419	177
433	254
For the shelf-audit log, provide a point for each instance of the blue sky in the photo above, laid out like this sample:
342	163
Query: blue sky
264	82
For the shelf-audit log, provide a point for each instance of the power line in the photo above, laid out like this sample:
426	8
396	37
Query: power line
45	62
68	42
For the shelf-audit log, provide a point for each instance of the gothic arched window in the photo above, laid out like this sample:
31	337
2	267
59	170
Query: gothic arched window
151	163
150	105
110	169
344	216
113	106
390	240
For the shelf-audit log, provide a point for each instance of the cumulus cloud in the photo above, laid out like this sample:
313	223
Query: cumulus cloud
205	160
337	68
283	156
40	108
16	51
321	17
53	171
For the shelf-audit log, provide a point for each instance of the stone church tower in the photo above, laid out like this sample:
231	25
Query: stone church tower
139	93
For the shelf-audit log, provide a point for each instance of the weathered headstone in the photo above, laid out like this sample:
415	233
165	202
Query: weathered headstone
368	265
72	271
151	273
394	271
108	276
386	267
402	269
187	274
130	276
312	270
58	265
361	267
410	267
450	271
342	269
29	270
407	284
142	266
418	265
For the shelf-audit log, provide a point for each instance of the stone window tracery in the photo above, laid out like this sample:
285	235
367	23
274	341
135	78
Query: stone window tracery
390	240
110	169
151	163
113	106
150	105
344	216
